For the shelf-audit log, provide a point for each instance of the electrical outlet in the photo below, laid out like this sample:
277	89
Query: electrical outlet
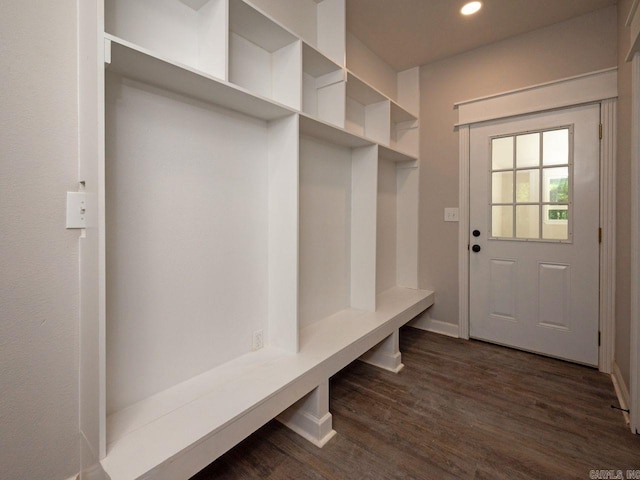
451	215
258	340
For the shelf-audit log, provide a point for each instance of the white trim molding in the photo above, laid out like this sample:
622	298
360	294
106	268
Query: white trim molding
622	392
463	233
635	251
633	23
567	92
608	120
595	87
428	324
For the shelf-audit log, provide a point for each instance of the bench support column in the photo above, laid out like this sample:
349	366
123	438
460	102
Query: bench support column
310	416
386	354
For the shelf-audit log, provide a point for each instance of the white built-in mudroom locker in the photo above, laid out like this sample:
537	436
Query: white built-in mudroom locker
256	226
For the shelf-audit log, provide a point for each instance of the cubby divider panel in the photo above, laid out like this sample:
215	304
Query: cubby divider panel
283	171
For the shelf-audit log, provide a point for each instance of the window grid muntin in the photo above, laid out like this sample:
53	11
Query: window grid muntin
541	204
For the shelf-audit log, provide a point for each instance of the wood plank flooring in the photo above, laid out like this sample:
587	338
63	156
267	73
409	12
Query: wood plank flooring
459	409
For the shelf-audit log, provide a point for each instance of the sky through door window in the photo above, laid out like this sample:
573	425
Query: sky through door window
531	185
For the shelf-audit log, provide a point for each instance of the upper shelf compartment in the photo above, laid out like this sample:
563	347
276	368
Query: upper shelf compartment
144	66
263	57
323	87
190	32
320	23
404	130
367	111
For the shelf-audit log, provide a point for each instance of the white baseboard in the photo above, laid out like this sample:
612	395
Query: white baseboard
622	391
425	322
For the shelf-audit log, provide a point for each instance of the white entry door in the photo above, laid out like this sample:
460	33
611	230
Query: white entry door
534	233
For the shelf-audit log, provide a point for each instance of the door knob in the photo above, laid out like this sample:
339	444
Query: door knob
476	233
476	248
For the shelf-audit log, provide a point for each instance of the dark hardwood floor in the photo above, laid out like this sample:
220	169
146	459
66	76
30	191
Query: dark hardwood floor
459	409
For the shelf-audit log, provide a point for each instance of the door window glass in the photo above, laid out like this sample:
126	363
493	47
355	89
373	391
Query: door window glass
502	221
531	185
528	150
502	153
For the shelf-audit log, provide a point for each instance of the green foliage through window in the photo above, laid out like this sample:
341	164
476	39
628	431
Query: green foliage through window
559	190
558	215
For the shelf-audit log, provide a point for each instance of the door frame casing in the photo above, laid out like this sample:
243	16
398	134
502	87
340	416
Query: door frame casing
633	56
597	87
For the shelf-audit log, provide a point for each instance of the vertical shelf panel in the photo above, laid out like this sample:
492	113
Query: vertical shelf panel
283	232
188	32
264	58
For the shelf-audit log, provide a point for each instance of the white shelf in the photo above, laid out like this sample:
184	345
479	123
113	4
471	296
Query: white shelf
182	423
140	64
315	128
393	155
399	114
362	92
316	63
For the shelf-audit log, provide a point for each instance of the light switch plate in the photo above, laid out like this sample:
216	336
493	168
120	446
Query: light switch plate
451	214
76	210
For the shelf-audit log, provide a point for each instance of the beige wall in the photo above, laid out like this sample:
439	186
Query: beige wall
623	202
38	257
566	49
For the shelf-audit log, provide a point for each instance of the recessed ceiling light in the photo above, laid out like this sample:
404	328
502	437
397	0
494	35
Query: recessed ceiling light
471	8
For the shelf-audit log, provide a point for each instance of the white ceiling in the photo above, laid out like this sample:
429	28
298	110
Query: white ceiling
406	33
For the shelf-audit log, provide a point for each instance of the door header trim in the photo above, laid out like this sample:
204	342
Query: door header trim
566	92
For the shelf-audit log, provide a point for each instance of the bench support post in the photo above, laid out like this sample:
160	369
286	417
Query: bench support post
310	416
